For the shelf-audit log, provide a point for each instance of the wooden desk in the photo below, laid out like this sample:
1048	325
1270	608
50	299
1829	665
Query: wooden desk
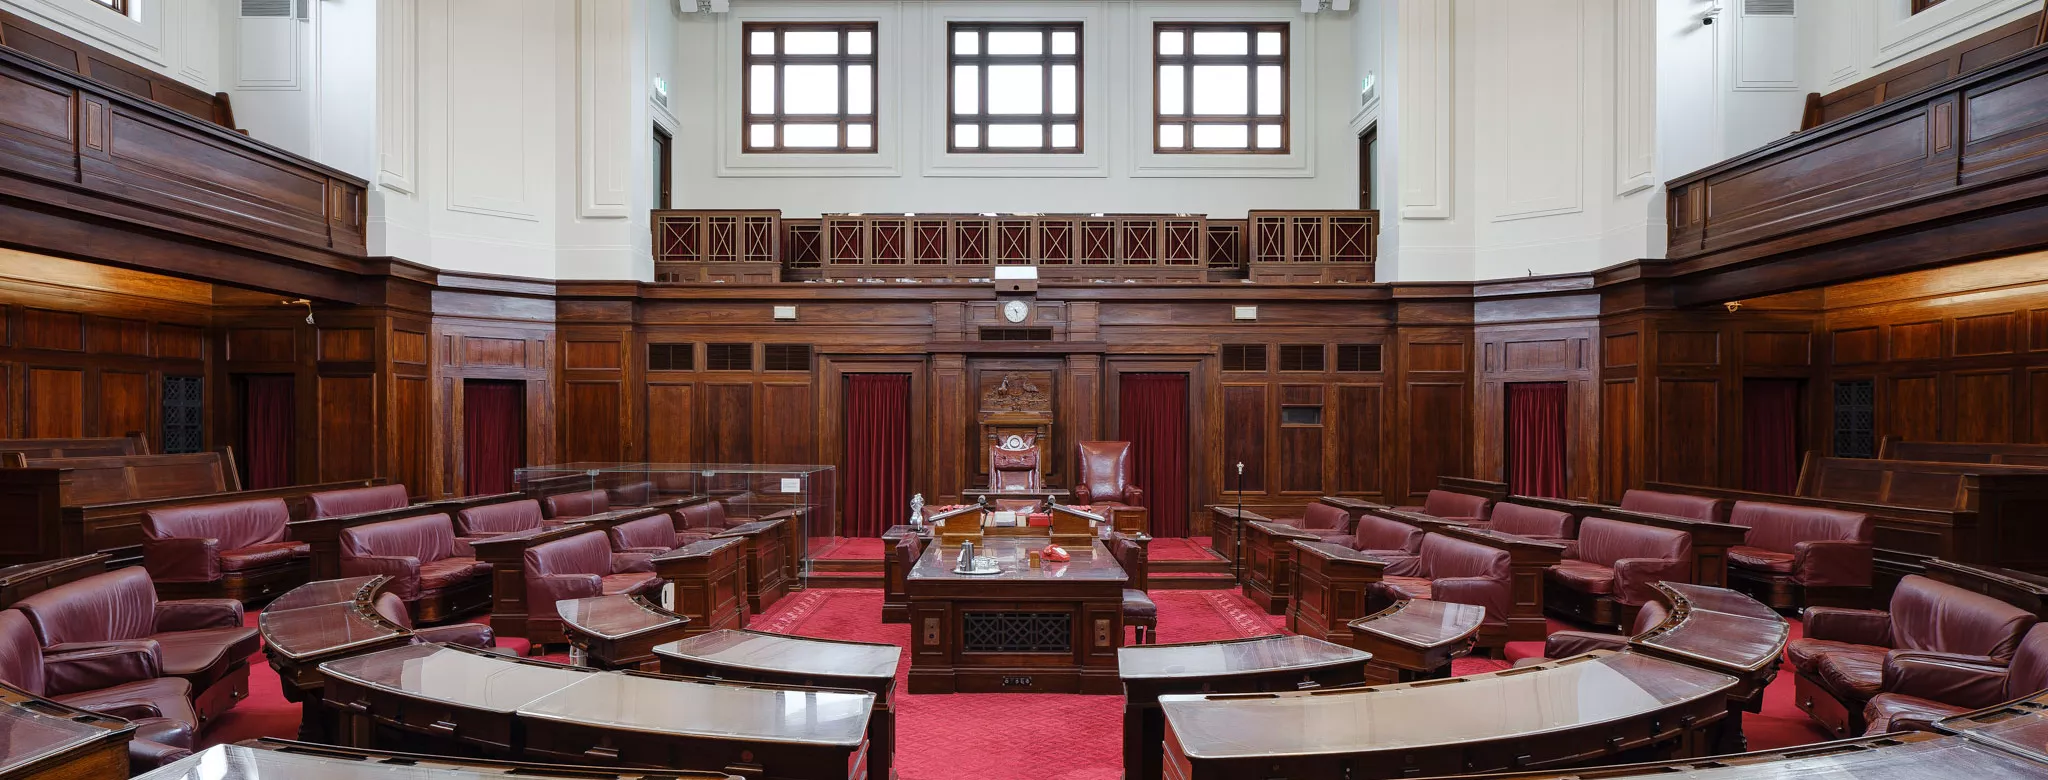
707	583
506	553
895	606
323	534
2019	727
1269	563
43	740
754	656
618	632
1223	521
1256	665
1726	631
320	622
767	559
439	697
23	580
1570	712
2021	589
1330	589
1910	756
267	758
1527	560
1053	629
1416	639
766	731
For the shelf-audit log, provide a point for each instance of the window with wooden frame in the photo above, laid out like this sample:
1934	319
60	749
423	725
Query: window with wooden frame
1016	87
1219	88
118	6
809	87
1922	5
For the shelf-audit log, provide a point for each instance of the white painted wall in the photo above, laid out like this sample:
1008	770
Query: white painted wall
179	38
1118	172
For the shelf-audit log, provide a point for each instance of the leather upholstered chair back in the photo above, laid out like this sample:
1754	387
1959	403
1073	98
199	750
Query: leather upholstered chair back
578	504
1378	533
392	608
1712	510
1781	527
1323	517
2029	672
1652	613
426	537
908	550
1444	557
647	533
1131	557
1445	503
710	514
335	503
1103	471
585	553
1512	518
21	654
236	524
500	518
1931	615
117	605
1604	541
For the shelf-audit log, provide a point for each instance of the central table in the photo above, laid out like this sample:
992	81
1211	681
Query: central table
1053	629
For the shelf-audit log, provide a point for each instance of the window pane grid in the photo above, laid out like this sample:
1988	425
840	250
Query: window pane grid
810	88
1220	88
1015	88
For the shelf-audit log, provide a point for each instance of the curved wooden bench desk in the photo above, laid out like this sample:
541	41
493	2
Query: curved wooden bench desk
267	759
618	632
1571	712
756	656
1726	631
319	622
1255	665
43	740
445	698
1416	639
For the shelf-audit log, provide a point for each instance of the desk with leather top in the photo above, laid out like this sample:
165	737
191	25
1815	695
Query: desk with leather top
1416	639
319	622
1255	665
43	740
618	632
756	656
279	759
1562	713
1051	629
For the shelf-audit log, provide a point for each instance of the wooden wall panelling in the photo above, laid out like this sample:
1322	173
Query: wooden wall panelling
832	372
1246	428
729	422
597	414
481	334
1433	370
1543	351
1202	460
951	426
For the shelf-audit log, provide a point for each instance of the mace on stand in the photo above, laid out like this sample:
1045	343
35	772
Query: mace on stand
1237	544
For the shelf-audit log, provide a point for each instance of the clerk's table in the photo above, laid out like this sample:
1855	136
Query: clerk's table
1051	629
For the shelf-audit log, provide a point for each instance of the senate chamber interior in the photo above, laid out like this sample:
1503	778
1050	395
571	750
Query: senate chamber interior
1023	389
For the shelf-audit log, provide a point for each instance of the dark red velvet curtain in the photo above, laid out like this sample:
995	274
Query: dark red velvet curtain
493	435
267	431
877	472
1152	414
1535	441
1770	435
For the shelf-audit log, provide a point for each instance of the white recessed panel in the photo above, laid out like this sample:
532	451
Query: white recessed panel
487	128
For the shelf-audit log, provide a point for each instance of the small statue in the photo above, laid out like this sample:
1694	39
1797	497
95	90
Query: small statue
917	509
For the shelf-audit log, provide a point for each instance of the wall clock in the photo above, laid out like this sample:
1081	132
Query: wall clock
1015	311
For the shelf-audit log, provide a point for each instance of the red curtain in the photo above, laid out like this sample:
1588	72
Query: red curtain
267	431
1152	414
877	453
493	435
1536	445
1770	435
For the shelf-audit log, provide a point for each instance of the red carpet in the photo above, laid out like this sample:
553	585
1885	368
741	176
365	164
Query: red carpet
939	732
1168	549
840	548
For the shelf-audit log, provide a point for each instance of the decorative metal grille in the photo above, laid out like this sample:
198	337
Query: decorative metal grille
184	405
1856	419
1017	632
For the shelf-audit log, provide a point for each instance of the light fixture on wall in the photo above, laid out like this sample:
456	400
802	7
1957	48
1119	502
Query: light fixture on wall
1244	312
785	312
301	302
1733	306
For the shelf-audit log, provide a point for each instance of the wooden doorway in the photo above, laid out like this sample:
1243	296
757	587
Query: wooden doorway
1368	161
493	434
265	419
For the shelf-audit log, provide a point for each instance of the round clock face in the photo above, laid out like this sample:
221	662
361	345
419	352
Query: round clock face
1014	311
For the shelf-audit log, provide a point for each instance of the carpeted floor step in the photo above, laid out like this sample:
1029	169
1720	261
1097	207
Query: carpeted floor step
844	579
1173	580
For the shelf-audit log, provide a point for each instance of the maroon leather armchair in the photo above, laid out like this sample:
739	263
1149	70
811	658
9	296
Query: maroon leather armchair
579	567
1713	510
1323	520
1388	540
123	682
1104	475
477	635
1141	614
355	501
703	520
1613	567
1799	555
1565	644
1449	505
233	549
1840	662
580	504
1457	571
1548	525
117	616
436	575
895	585
488	520
653	535
1920	689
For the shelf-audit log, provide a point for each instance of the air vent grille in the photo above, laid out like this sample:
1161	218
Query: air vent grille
787	357
671	357
1767	7
1244	357
1358	357
1301	357
728	357
1016	334
267	9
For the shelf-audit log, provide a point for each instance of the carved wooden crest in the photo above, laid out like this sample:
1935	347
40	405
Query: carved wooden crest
1016	393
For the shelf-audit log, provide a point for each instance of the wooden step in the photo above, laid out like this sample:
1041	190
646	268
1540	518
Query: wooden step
1189	581
818	579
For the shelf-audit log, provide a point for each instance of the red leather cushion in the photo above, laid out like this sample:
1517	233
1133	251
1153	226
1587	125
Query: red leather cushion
1138	604
1889	712
710	514
450	571
585	553
1323	517
426	537
1760	559
1780	528
583	504
1929	615
119	604
335	503
502	518
647	532
1444	503
235	523
163	697
1378	533
202	656
1511	518
261	555
1583	577
1407	587
1853	675
1604	541
630	584
2029	671
1805	654
1675	504
392	608
1105	468
1443	557
21	654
